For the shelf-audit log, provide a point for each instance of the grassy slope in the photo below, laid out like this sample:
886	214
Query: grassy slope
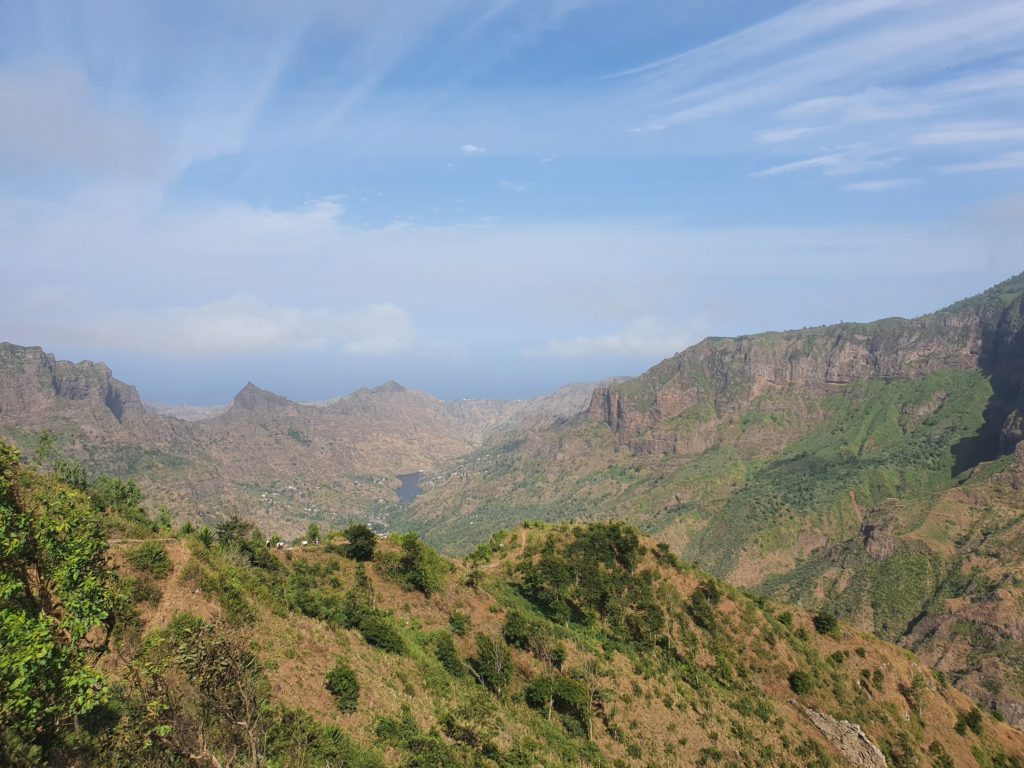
721	696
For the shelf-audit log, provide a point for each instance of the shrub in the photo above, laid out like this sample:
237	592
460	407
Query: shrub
343	685
800	682
826	623
448	654
419	567
362	543
493	662
151	557
459	622
517	630
971	719
563	695
380	631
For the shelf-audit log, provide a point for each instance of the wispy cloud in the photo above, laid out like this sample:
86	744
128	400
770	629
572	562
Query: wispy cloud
644	337
1007	161
846	161
880	185
782	135
970	133
472	150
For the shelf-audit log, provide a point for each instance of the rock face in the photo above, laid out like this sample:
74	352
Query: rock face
727	375
849	740
34	384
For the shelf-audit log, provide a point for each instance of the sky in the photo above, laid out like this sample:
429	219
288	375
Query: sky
491	199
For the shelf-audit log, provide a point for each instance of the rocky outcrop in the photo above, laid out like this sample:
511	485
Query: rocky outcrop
729	375
34	385
848	739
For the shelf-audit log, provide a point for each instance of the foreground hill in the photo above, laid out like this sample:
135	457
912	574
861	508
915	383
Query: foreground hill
869	468
283	463
553	646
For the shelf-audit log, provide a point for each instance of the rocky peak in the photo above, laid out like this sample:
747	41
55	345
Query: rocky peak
34	381
253	398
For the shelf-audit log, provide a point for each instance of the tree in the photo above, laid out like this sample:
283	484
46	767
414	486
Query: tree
313	533
362	543
420	567
493	663
55	589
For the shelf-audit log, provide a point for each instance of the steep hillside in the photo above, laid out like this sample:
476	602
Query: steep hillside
554	646
283	463
810	464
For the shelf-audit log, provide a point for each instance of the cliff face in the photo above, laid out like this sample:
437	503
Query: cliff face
730	375
34	385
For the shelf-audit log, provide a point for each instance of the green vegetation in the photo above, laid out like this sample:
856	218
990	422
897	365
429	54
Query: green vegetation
361	543
344	686
55	594
150	557
587	646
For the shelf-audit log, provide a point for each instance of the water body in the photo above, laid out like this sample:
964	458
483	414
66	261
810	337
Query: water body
410	487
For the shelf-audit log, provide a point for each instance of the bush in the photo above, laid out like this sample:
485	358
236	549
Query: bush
459	622
563	695
826	623
380	632
800	682
151	557
420	567
343	685
362	543
448	654
493	662
971	719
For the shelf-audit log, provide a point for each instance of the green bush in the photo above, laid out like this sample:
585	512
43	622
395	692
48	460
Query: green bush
826	623
343	685
493	662
448	654
150	557
970	719
380	631
362	543
459	622
800	682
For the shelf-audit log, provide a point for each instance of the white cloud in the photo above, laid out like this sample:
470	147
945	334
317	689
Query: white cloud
845	161
970	133
913	36
239	325
1007	161
472	150
880	185
645	337
782	135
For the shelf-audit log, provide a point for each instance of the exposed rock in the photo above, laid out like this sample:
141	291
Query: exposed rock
848	738
879	537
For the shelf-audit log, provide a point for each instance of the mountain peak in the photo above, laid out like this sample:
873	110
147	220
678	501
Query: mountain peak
252	397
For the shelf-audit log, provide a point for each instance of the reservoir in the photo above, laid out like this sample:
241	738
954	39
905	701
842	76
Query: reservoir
410	487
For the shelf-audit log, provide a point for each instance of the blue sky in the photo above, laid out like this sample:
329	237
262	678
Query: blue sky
491	198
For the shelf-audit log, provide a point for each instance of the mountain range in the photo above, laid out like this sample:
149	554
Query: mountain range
873	469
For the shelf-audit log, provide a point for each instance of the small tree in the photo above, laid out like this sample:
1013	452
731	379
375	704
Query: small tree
313	533
362	542
493	663
343	685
